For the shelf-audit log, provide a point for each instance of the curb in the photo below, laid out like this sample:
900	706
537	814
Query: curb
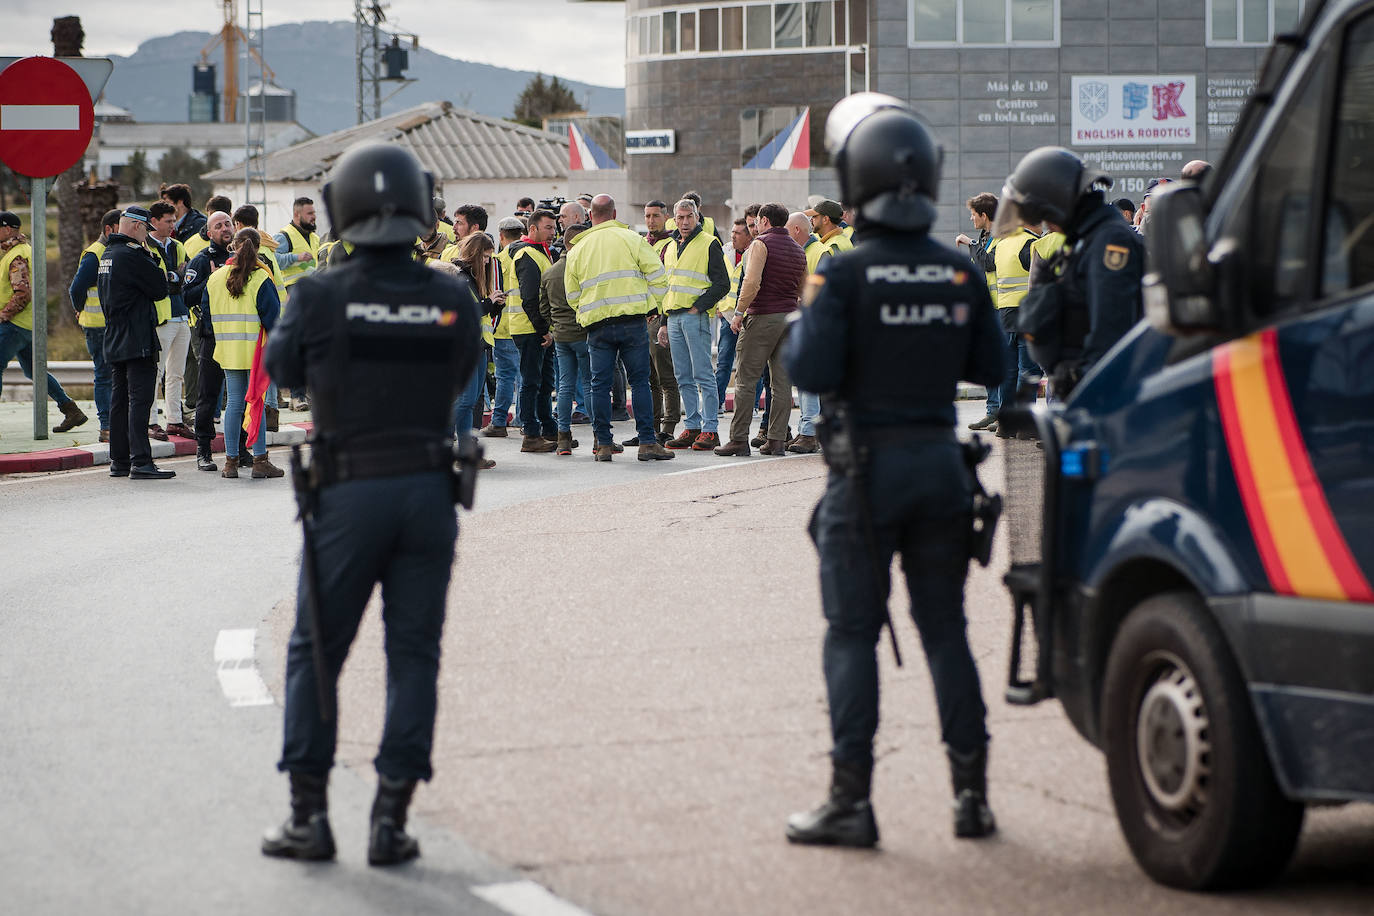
85	456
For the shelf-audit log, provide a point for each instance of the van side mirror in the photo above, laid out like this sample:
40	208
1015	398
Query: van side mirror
1180	289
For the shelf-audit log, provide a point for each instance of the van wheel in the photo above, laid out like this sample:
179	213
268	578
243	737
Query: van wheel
1194	791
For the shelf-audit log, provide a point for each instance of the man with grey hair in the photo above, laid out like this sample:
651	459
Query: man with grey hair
799	227
571	213
697	280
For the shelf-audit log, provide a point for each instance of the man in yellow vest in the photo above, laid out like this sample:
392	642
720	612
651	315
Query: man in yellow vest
445	225
201	240
614	279
16	315
173	328
530	331
825	218
504	351
662	376
1012	253
297	244
698	279
85	299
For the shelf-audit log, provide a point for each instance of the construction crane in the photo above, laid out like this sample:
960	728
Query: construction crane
229	36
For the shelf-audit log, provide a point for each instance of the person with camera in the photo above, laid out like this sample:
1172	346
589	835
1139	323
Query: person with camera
887	331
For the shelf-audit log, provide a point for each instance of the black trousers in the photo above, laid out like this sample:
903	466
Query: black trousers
131	398
211	385
919	504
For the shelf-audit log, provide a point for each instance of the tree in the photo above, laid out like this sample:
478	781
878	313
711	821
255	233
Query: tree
136	172
540	99
178	166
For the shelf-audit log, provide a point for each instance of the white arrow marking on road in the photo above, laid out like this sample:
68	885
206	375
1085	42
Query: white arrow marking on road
237	669
525	898
40	117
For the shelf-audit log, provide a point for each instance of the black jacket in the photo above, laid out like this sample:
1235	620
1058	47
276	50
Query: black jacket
207	261
130	281
190	224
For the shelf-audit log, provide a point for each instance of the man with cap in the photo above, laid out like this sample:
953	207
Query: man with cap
826	217
887	332
383	343
220	231
131	281
16	315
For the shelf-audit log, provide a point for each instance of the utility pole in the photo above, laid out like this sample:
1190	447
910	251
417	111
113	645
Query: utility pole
368	16
255	115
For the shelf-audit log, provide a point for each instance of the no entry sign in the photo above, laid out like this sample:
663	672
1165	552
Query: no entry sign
46	117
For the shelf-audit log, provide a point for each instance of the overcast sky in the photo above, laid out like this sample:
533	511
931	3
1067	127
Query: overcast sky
581	41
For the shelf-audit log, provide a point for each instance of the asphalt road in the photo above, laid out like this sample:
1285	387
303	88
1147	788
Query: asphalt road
631	703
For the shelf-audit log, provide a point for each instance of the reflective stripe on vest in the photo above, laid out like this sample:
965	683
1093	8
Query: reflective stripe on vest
163	306
92	315
299	244
687	272
731	299
507	283
235	318
25	318
1013	280
613	273
514	314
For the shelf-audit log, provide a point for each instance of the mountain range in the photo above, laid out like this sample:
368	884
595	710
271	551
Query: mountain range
316	59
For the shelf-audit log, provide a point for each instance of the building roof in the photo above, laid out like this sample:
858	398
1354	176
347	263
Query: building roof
194	134
452	143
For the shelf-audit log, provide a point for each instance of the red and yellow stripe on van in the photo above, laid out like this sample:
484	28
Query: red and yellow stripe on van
1302	548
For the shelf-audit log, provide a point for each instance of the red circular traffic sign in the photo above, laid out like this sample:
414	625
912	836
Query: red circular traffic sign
46	117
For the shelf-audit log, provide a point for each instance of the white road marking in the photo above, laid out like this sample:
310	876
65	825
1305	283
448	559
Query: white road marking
40	117
525	898
717	467
237	670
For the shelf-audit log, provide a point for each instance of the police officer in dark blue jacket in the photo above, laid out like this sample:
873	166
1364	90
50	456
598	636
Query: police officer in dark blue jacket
379	504
1085	300
885	333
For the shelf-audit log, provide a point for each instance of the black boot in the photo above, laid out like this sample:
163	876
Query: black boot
204	461
845	818
969	772
306	834
390	844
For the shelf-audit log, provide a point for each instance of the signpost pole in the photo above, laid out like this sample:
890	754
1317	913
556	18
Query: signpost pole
39	271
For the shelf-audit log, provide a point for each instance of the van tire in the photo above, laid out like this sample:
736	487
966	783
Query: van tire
1200	807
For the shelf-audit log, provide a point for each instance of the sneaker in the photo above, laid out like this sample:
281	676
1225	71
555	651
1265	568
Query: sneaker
987	421
685	440
705	442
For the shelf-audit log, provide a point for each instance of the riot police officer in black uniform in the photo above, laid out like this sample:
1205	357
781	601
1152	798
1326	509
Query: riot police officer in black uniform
1086	299
380	504
888	330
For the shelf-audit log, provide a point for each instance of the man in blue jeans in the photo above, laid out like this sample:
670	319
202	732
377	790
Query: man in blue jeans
85	299
614	280
697	280
569	339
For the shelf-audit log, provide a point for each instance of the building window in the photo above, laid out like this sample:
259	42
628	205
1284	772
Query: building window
820	24
689	32
787	25
984	23
732	28
710	29
1251	22
670	33
758	26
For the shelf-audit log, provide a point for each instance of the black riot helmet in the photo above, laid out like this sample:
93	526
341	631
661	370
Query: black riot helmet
887	160
378	194
1046	186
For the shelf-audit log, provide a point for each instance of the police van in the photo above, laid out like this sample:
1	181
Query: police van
1192	539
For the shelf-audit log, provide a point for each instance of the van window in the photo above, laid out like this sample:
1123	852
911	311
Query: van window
1285	186
1349	244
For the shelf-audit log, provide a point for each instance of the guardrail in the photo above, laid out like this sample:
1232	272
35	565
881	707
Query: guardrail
67	372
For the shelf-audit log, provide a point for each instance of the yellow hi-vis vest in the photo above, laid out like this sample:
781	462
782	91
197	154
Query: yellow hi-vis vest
848	232
612	273
163	306
299	244
837	241
447	232
815	250
508	283
992	274
25	318
1013	280
92	315
1048	245
195	245
235	318
687	272
514	315
731	300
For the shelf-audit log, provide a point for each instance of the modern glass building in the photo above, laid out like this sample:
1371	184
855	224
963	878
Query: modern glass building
730	99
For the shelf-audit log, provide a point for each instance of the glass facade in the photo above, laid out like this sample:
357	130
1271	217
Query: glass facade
983	23
770	26
1251	22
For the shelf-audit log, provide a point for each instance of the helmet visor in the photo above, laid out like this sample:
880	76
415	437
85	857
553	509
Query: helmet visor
849	111
1010	215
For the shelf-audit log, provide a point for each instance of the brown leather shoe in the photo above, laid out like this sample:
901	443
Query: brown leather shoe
180	429
685	440
733	448
654	452
155	431
104	435
705	442
488	463
565	443
72	417
271	418
536	444
263	468
231	468
773	447
804	445
493	432
603	453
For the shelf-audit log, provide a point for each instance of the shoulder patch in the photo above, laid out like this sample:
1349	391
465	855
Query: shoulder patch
135	246
814	283
1115	257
